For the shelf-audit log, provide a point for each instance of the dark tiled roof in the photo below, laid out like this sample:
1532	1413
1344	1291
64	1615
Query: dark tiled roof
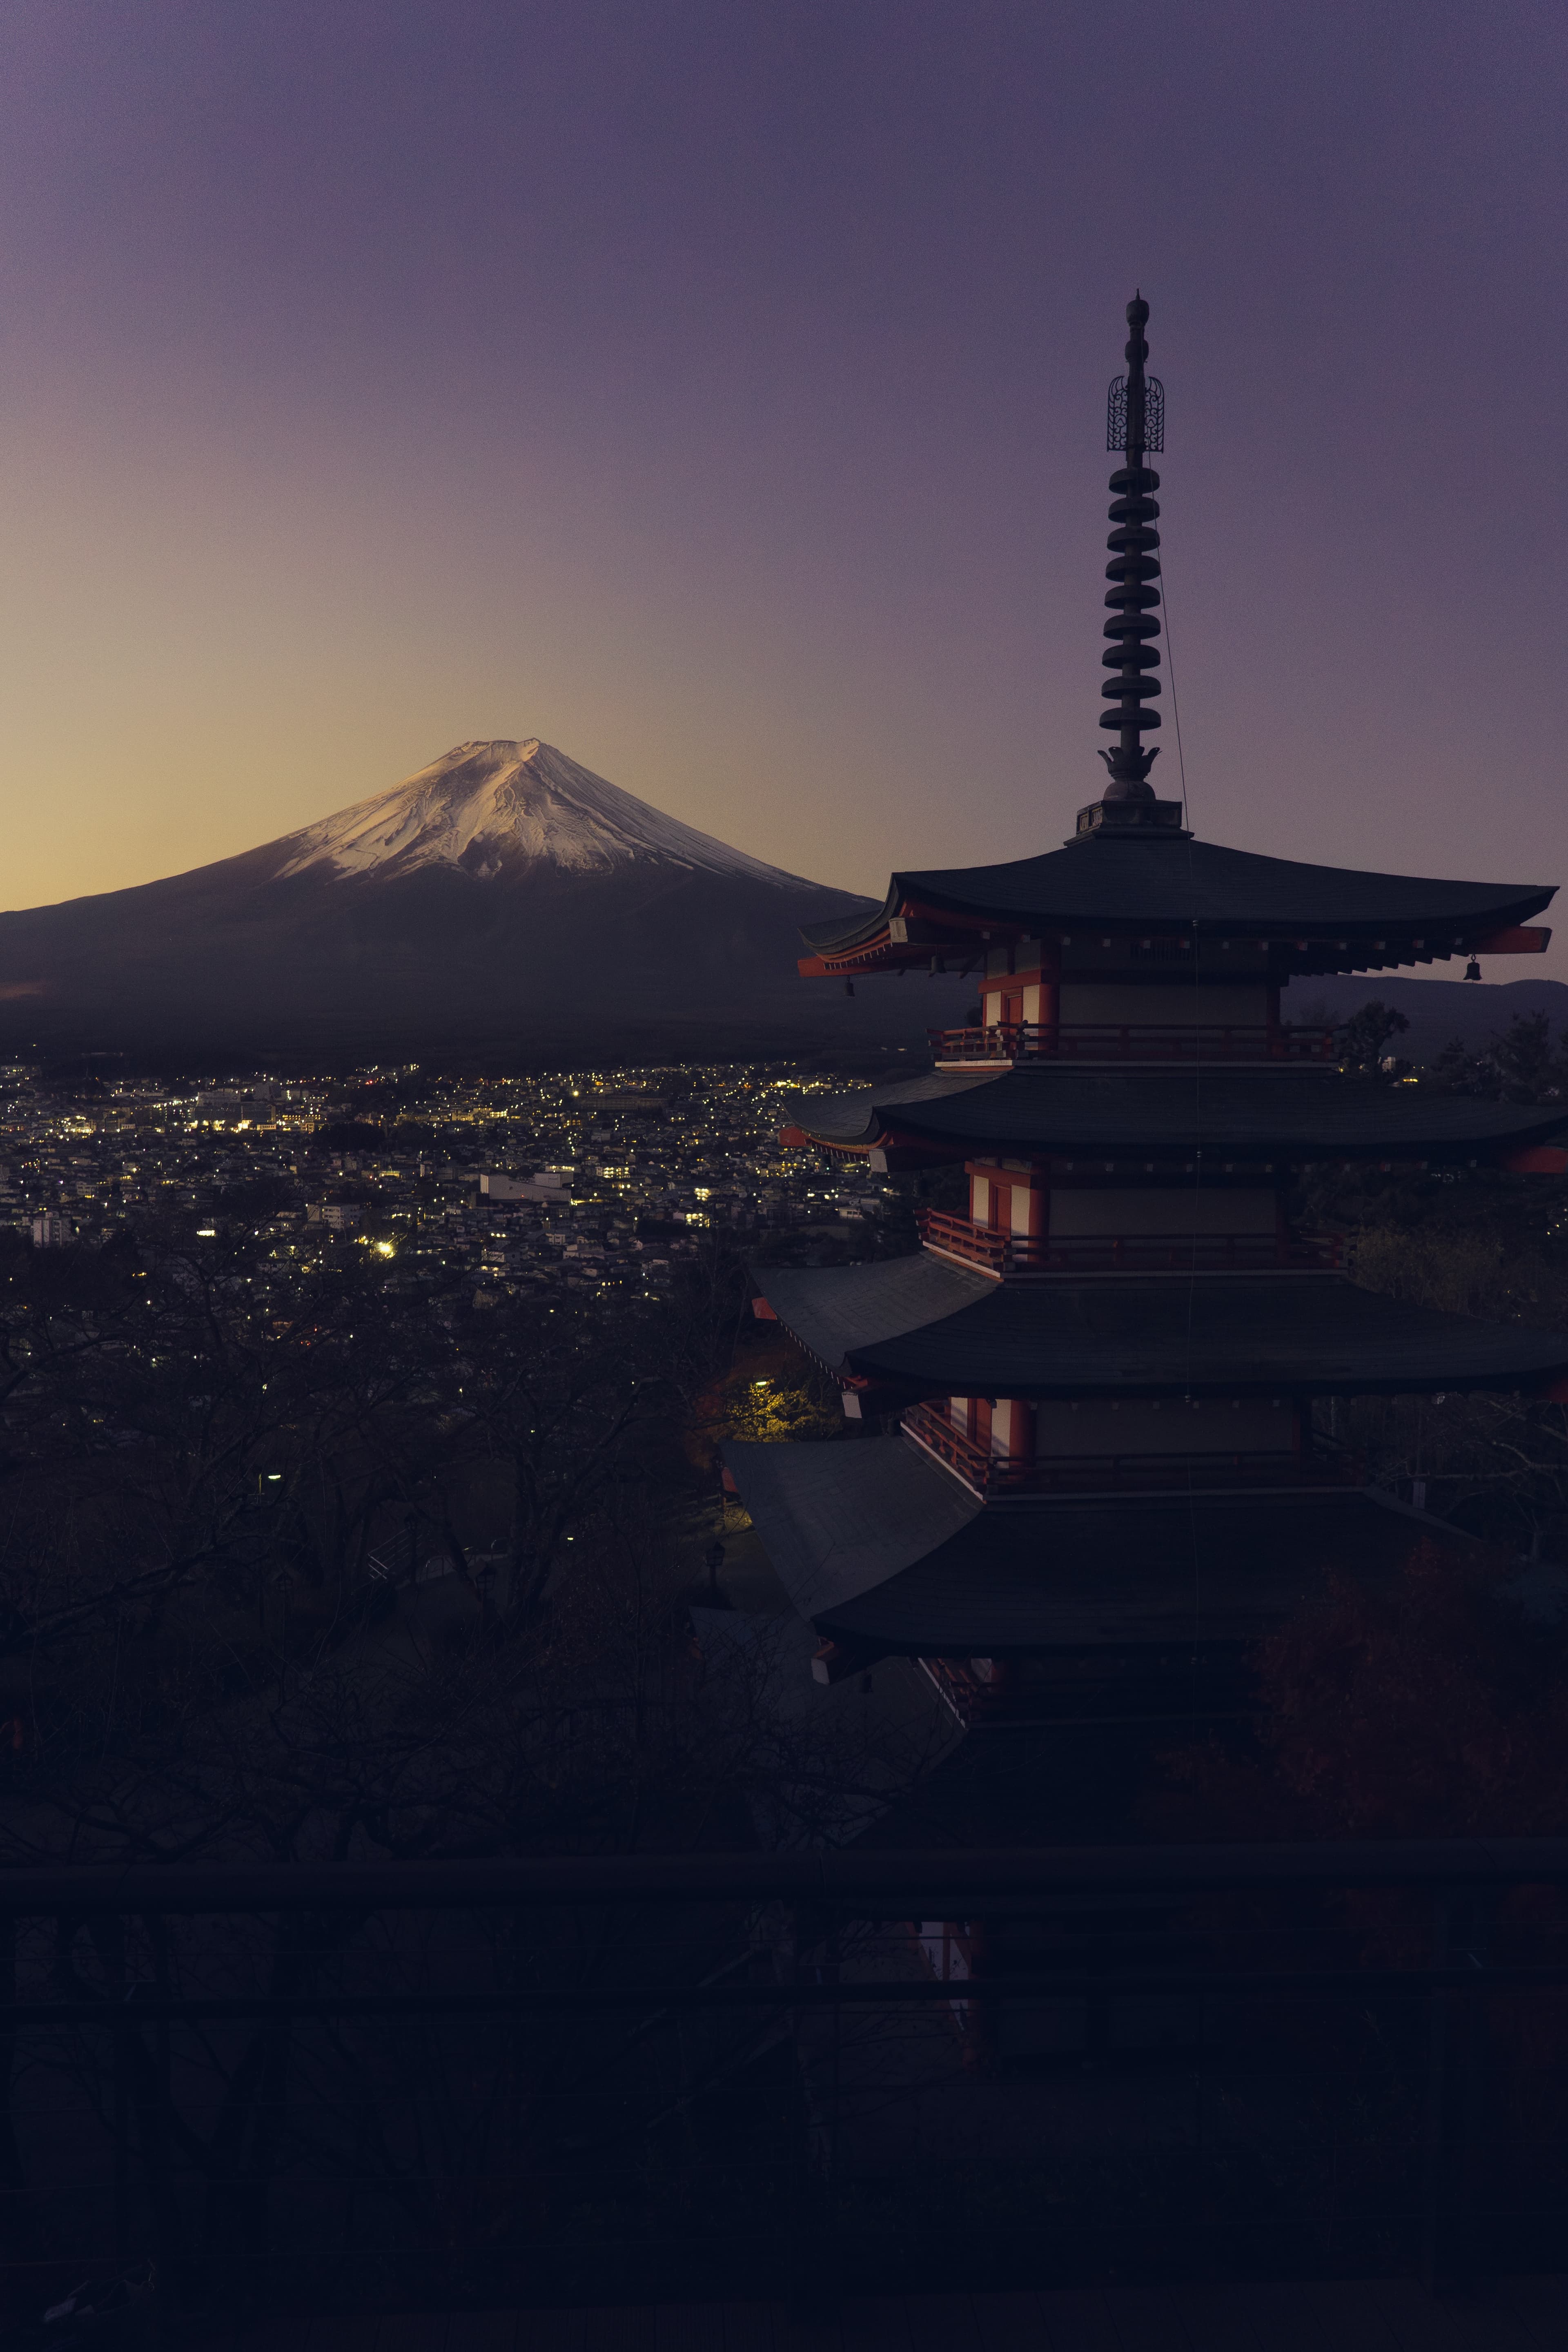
858	1305
877	1544
1146	1334
863	1112
1290	1115
840	1517
1139	879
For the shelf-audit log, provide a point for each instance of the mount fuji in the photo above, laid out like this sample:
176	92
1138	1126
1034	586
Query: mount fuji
503	900
490	809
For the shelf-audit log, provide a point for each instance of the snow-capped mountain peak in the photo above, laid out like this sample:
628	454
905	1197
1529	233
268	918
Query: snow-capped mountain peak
487	807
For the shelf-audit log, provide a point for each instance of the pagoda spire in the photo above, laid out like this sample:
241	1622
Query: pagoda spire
1135	422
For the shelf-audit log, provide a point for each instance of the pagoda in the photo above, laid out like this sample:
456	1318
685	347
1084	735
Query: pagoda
1095	1409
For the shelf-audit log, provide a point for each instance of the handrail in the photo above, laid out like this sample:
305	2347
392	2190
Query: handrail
1002	1253
1015	1041
1171	1253
195	1890
941	1228
990	1474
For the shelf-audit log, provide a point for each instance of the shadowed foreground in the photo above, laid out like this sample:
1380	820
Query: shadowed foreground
1521	2314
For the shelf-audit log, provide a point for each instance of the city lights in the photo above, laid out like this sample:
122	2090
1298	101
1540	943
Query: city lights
601	1184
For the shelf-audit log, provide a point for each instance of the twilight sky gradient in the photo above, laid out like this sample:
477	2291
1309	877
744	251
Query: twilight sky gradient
716	389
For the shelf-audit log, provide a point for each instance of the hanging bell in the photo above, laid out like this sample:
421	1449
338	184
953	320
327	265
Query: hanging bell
1472	970
849	986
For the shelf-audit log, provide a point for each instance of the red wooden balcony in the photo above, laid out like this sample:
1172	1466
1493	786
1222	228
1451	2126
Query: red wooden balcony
1032	1041
1122	1473
1018	1254
956	1237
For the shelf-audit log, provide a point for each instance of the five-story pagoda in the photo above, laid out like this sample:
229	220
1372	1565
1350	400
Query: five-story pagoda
1101	1389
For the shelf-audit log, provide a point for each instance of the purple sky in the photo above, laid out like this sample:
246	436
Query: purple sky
716	391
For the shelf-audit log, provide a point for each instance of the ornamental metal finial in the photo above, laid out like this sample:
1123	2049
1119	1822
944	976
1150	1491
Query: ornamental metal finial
1135	422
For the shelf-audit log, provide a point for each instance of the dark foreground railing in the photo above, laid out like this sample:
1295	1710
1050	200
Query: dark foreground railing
684	2077
1107	1041
999	1474
1026	1254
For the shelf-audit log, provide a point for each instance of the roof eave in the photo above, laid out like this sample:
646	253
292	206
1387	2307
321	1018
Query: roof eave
1535	1380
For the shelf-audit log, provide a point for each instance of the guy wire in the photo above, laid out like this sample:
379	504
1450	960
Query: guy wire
1170	673
1198	1124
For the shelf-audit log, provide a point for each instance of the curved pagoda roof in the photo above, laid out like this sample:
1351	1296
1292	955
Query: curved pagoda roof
926	1326
881	1549
1116	881
1296	1115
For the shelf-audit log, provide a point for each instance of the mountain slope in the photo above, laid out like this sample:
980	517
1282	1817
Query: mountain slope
488	808
502	898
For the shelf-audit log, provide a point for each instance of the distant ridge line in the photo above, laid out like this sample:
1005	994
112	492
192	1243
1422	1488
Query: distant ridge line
503	901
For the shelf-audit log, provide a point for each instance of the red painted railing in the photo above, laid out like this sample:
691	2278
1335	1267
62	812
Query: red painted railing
959	1238
1116	1474
1029	1041
966	1693
1016	1253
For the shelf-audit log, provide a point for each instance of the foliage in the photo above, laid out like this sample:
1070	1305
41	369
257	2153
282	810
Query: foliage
1468	1241
787	1406
180	1464
1463	1273
385	1571
368	1134
1361	1042
1488	1247
771	1395
381	1577
1434	1707
1525	1064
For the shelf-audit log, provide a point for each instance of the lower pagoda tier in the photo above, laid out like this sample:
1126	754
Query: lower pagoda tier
885	1554
1170	1114
919	1326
